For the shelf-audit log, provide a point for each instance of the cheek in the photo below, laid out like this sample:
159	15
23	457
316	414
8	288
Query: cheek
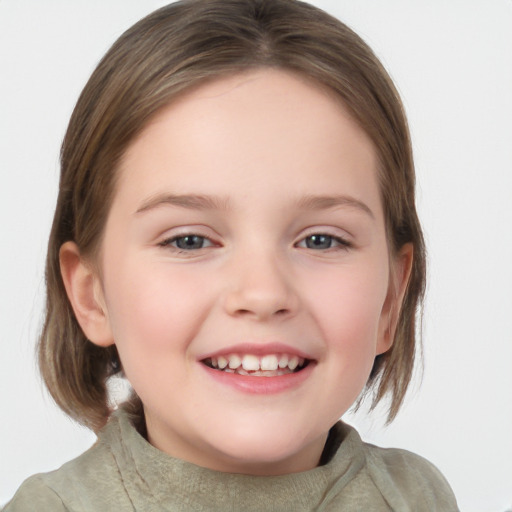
153	310
154	315
348	306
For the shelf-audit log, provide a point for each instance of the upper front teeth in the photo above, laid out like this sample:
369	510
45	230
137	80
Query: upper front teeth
269	363
250	362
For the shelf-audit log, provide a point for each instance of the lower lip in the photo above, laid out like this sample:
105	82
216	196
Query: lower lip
261	385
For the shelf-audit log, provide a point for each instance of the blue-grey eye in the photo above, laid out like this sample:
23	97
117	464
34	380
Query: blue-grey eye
319	241
190	242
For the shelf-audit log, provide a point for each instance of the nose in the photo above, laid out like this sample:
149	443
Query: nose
260	287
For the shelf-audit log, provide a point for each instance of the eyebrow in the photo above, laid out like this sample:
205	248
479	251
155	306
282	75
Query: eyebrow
313	202
207	202
189	201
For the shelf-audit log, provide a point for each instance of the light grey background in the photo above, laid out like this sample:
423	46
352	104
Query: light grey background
452	62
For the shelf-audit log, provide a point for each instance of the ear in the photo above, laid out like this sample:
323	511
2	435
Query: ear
83	287
400	272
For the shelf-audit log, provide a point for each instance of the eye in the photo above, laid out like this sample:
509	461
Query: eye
187	242
319	241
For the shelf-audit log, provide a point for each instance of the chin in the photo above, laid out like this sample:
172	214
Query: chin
268	451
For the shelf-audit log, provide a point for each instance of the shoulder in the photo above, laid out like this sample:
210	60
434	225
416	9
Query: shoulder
67	488
35	490
91	481
407	478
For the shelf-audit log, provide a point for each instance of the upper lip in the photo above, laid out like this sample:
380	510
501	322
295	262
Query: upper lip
258	349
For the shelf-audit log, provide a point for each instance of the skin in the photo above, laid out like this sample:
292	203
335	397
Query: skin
261	144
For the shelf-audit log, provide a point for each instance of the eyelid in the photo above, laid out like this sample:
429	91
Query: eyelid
187	230
170	235
341	242
169	240
332	231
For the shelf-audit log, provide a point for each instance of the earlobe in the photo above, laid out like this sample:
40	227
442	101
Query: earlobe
85	294
400	274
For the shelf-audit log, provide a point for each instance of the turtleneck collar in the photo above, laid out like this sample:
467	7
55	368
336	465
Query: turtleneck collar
151	477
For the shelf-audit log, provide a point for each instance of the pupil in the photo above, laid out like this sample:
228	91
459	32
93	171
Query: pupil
190	242
318	242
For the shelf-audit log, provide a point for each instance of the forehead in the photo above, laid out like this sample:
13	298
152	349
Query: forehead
229	132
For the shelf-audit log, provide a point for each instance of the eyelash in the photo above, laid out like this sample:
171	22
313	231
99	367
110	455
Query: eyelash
170	241
341	243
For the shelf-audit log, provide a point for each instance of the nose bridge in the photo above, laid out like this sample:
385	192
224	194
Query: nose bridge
260	284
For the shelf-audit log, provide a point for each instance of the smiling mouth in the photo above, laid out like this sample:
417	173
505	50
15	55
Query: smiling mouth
271	365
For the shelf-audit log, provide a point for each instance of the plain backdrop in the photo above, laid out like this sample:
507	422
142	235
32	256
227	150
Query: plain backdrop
452	62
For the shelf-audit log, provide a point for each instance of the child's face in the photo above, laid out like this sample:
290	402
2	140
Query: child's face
247	224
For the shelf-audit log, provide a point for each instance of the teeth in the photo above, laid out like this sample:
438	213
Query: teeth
283	361
250	363
293	363
269	363
234	361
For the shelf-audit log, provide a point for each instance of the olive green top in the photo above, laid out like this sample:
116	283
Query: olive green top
123	472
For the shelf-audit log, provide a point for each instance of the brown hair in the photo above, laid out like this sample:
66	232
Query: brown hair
173	49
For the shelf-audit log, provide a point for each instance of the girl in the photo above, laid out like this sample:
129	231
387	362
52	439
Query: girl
236	234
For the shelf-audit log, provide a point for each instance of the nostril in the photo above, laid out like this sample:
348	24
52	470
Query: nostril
260	313
242	312
260	303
